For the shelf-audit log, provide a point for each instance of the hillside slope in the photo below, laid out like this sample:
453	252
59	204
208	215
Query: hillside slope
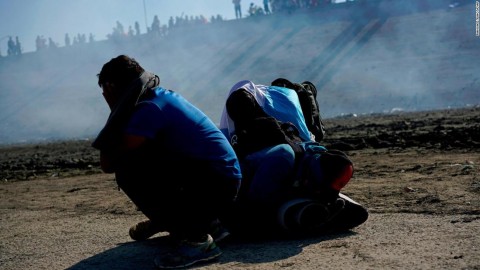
364	58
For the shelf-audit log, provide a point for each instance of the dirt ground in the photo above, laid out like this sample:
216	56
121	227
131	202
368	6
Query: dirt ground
417	173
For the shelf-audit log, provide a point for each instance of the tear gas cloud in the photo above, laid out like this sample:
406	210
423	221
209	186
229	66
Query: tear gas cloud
372	59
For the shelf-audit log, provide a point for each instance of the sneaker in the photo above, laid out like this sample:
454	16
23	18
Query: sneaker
307	215
315	215
352	214
189	253
287	212
217	231
312	216
144	230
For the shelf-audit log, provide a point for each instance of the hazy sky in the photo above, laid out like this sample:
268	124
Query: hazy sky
53	18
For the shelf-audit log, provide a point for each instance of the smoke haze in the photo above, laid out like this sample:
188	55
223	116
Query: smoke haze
375	57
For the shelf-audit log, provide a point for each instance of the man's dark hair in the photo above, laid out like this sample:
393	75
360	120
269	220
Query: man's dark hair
120	71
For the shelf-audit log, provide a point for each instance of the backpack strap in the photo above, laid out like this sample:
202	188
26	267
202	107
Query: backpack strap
315	123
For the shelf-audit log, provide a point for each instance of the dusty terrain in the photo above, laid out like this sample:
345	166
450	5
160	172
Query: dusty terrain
417	173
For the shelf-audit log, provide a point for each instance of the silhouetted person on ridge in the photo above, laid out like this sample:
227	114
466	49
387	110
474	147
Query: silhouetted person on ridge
238	8
119	30
40	43
67	40
156	25
137	28
51	43
82	39
18	46
254	10
266	7
11	46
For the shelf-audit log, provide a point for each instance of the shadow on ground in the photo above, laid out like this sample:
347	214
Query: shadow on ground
140	255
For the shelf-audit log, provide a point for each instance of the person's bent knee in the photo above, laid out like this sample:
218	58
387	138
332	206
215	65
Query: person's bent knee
283	152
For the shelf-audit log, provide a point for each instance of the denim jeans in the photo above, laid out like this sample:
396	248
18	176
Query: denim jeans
183	196
266	184
270	171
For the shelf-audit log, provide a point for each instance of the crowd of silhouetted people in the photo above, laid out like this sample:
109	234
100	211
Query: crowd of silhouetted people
157	29
14	47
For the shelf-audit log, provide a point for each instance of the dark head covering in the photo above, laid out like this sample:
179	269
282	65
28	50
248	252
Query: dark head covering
109	136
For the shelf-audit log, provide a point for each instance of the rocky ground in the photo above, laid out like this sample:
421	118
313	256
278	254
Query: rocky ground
417	173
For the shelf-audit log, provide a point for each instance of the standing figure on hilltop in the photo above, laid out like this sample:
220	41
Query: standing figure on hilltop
156	25
170	159
82	39
11	46
51	43
119	31
120	28
40	43
266	6
67	40
137	28
91	38
238	8
18	46
171	23
130	32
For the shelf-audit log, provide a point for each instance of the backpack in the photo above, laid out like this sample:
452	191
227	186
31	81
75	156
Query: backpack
255	129
322	173
307	95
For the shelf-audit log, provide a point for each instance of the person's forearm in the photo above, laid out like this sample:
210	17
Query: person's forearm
107	162
127	148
